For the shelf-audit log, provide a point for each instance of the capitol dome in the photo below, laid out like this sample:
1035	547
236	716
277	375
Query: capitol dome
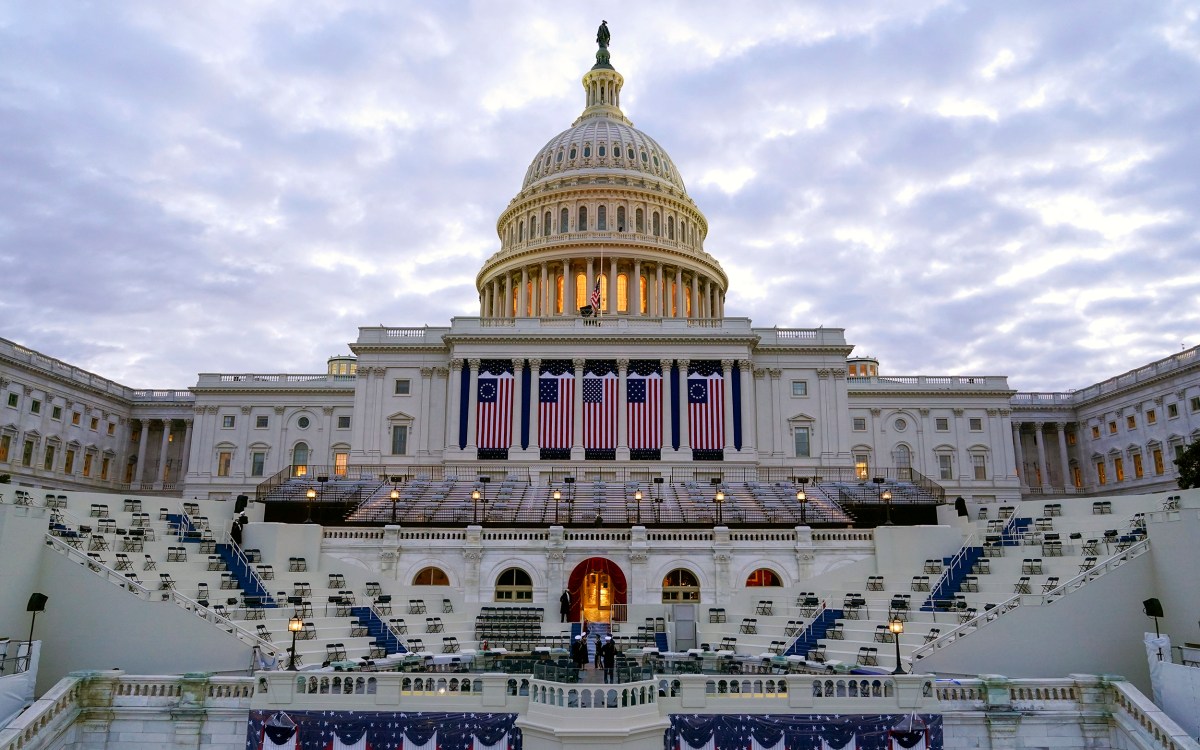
602	211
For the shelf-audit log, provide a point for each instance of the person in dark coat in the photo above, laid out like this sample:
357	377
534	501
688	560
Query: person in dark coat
235	533
579	652
564	606
598	660
608	653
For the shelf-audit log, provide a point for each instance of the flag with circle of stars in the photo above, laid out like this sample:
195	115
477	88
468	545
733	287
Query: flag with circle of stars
387	730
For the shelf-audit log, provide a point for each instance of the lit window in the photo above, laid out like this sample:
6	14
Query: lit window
260	423
224	460
13	400
1158	462
69	462
402	387
1172	411
1112	428
802	442
941	424
1095	432
258	463
1101	474
48	461
680	586
1131	422
514	585
945	466
1138	471
56	412
94	424
5	446
799	387
341	461
979	463
87	464
35	406
431	577
1151	417
976	424
763	577
861	465
75	418
343	423
1119	469
399	439
860	424
1071	437
105	463
112	428
1076	477
227	421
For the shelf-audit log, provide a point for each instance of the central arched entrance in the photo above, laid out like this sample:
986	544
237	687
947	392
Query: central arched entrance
596	584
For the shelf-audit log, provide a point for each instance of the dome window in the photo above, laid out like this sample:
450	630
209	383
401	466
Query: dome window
600	150
629	154
587	151
644	159
558	159
547	161
572	154
656	162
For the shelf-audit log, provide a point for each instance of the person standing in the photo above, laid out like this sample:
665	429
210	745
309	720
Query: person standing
610	659
564	606
598	660
579	652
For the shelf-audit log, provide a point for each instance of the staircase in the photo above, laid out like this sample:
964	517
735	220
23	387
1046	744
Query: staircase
378	630
815	631
247	578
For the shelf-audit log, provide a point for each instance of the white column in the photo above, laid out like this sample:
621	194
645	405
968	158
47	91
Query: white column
749	415
523	294
472	402
424	436
684	438
185	461
545	296
162	452
141	454
577	440
660	309
727	382
680	309
453	384
1018	454
518	404
535	372
666	403
635	293
1068	485
507	304
1041	454
777	438
696	302
622	411
568	289
591	282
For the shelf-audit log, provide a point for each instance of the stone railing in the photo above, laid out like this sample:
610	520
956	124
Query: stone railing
1016	601
239	381
939	382
390	691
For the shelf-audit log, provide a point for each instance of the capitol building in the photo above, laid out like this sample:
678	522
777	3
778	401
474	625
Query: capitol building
604	433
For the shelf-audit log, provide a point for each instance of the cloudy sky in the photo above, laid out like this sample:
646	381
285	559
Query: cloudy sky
968	188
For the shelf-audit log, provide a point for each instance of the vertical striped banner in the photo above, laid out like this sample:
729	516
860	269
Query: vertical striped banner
600	411
493	416
706	411
644	410
556	410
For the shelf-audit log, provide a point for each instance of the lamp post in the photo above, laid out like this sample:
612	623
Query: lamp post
475	497
886	497
658	499
896	626
570	482
719	499
557	499
295	625
637	497
395	496
802	498
311	494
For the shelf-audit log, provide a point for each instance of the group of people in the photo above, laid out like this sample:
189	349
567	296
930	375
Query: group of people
606	649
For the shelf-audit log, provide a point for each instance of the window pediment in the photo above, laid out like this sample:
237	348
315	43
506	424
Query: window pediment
400	418
801	418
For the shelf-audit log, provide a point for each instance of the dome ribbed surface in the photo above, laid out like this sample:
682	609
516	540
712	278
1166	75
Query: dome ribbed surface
640	155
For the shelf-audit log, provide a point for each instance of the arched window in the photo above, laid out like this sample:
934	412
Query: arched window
546	225
572	154
431	577
558	159
642	281
763	577
602	218
603	278
581	290
639	221
521	232
558	294
564	222
622	293
620	218
300	459
600	150
670	227
529	298
680	585
533	226
656	225
514	585
581	225
629	153
674	303
587	151
687	298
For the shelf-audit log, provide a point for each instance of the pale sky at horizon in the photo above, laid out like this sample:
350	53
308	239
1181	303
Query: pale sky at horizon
965	187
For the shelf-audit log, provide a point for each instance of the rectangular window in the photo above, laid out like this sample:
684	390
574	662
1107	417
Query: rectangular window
1151	417
13	400
69	462
341	461
1172	411
35	406
402	387
1077	477
1178	450
861	466
56	412
87	464
112	428
104	464
27	453
260	423
399	439
1095	432
343	423
224	460
1158	462
5	446
1112	428
1138	471
860	424
1195	402
1101	474
980	465
48	461
1119	469
799	387
75	418
802	443
941	424
258	462
227	421
94	423
1131	422
946	466
1071	437
975	424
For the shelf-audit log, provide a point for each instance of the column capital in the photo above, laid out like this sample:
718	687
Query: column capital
474	363
187	423
1060	425
959	412
622	364
456	364
745	365
535	363
666	365
727	364
775	373
426	372
683	365
579	362
518	366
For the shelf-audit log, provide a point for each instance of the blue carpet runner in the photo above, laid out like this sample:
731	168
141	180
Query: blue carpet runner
378	630
816	630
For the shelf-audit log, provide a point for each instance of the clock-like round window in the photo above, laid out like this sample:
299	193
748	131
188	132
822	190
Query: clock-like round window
302	423
901	425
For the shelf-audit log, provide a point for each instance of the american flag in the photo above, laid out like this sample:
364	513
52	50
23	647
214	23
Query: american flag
493	417
644	397
706	411
600	411
556	410
595	300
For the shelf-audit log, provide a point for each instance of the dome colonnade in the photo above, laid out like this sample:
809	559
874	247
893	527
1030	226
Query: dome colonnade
602	202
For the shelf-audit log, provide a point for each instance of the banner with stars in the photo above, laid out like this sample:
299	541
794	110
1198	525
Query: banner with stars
805	732
384	730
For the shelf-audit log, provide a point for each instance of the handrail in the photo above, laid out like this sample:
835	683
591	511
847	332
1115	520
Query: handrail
1017	600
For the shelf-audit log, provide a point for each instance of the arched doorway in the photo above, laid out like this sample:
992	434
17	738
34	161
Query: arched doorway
596	584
